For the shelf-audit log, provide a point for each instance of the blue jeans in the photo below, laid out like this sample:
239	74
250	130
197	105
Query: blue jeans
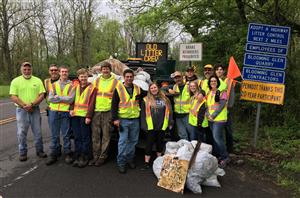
217	129
82	135
184	129
59	122
129	136
24	120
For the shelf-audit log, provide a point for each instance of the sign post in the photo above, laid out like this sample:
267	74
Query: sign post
264	65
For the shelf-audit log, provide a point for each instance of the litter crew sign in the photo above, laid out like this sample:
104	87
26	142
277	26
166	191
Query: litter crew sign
152	52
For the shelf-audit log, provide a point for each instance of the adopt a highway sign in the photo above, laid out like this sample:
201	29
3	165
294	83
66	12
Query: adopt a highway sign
268	34
263	75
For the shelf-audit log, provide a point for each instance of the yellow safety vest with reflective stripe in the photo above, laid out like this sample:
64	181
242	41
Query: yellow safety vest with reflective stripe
182	101
61	106
193	115
104	93
149	120
204	86
128	107
48	87
212	106
82	100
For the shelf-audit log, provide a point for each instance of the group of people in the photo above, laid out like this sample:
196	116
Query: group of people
198	107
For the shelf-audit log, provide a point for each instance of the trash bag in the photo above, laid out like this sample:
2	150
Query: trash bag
172	148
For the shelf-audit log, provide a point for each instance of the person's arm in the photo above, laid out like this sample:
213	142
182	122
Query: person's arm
92	104
201	114
69	98
52	97
17	100
115	106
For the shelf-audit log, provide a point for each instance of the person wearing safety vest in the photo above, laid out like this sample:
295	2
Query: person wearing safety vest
85	94
125	115
217	117
60	98
101	121
191	76
156	118
54	76
228	85
197	111
181	97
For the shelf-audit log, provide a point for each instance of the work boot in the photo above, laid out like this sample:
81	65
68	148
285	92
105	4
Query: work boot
51	160
23	157
76	163
131	165
122	169
41	155
83	162
146	166
68	159
100	162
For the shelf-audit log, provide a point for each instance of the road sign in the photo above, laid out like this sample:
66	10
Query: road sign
263	75
262	92
265	61
152	52
258	48
190	52
268	34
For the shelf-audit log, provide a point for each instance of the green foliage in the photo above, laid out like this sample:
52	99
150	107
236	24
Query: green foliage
4	91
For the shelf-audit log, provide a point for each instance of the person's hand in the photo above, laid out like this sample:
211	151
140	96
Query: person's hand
210	118
171	91
71	113
56	97
88	120
28	108
117	123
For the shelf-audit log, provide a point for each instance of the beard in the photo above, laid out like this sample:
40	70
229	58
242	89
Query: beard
27	76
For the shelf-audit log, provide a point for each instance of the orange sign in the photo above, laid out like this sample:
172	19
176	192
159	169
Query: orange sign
262	92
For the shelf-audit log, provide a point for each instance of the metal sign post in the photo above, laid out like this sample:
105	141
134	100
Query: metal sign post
256	124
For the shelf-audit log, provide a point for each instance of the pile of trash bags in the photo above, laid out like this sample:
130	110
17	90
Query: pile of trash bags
203	171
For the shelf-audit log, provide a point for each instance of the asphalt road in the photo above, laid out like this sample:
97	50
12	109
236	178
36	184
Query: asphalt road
34	179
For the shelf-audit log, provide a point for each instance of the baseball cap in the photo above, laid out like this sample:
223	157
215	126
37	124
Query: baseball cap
176	73
26	63
208	66
189	68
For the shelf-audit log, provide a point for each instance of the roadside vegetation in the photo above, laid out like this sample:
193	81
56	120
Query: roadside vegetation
4	91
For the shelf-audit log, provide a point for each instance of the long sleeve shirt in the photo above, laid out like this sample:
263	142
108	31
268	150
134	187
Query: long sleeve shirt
116	100
54	98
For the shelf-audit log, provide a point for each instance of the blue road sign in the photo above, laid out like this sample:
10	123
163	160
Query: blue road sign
268	34
265	61
263	75
258	48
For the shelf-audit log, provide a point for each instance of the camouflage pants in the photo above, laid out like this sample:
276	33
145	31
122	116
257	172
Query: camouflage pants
101	123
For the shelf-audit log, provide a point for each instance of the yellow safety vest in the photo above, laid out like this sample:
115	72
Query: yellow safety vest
182	101
149	120
82	100
212	106
128	107
204	86
48	87
193	115
61	106
104	93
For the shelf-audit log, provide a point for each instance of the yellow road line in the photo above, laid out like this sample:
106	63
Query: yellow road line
11	119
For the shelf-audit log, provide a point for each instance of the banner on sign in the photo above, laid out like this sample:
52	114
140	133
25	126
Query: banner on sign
262	92
263	75
190	52
265	61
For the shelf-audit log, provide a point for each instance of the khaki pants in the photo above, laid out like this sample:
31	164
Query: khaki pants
101	123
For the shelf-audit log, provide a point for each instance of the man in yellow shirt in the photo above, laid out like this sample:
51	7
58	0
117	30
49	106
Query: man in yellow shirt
27	91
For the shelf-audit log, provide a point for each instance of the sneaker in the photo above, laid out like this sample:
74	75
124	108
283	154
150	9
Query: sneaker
68	159
146	166
51	160
92	162
131	165
122	169
100	162
41	155
23	158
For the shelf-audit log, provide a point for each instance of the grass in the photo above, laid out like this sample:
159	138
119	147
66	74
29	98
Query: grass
4	91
